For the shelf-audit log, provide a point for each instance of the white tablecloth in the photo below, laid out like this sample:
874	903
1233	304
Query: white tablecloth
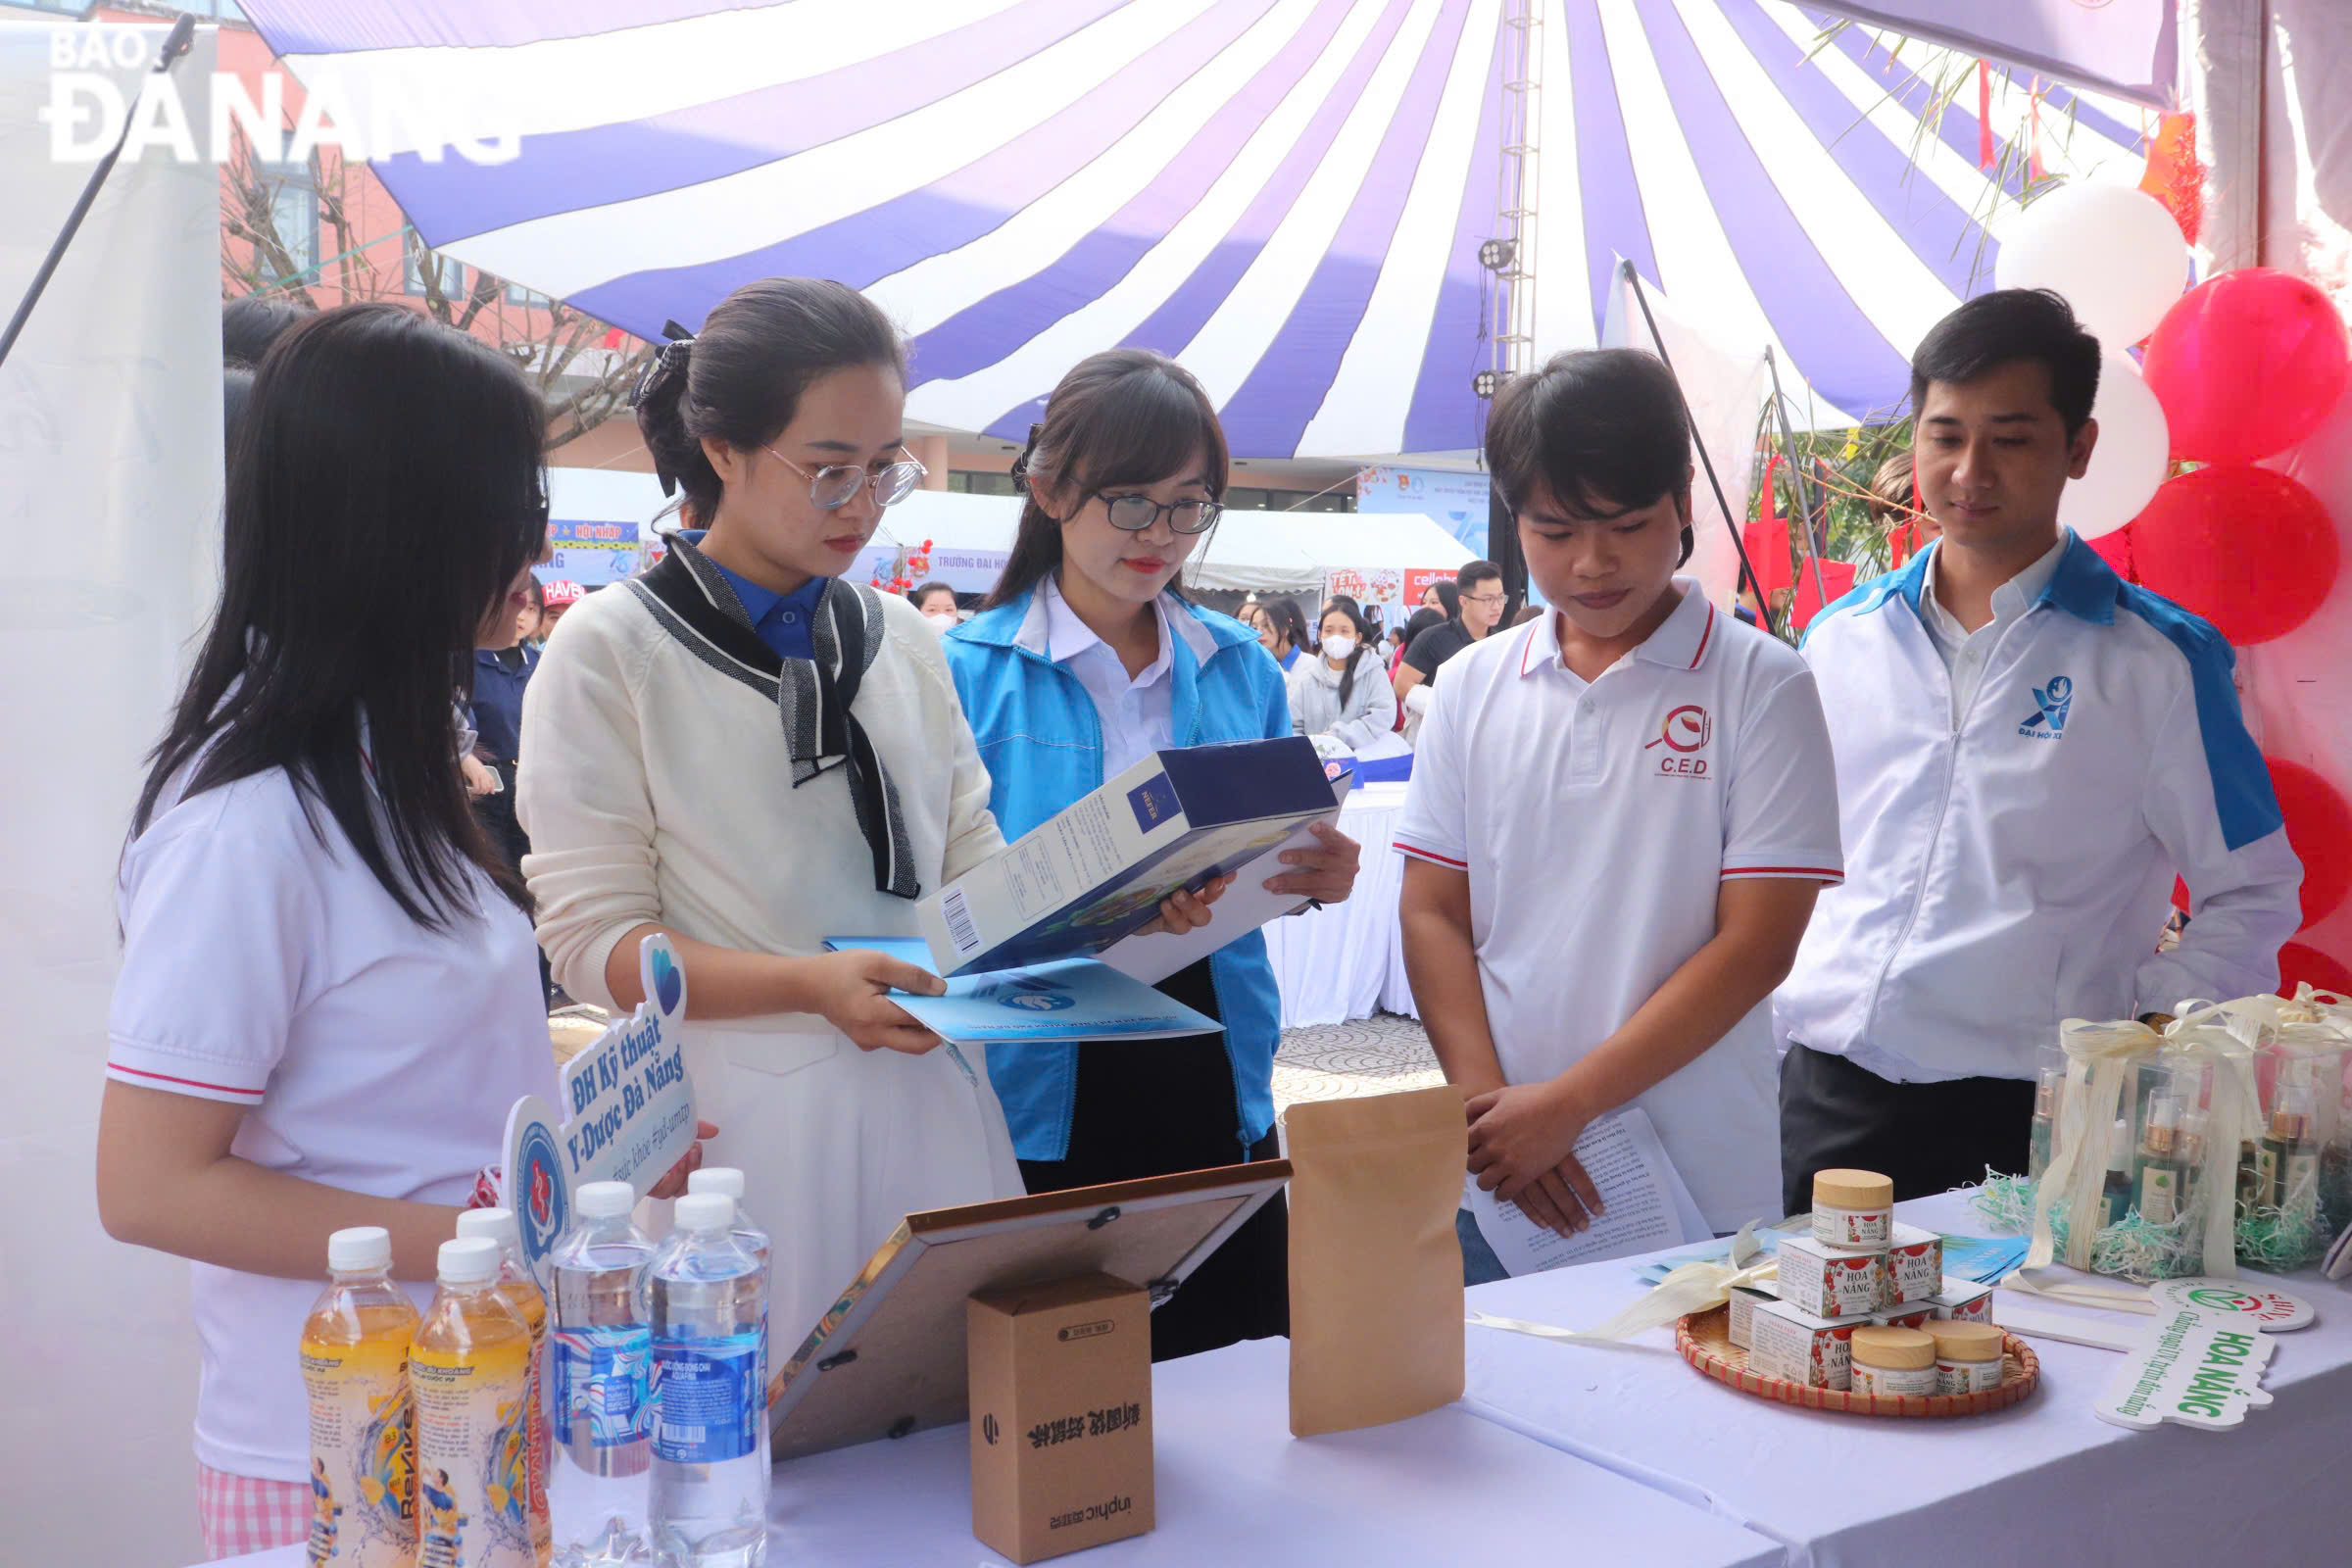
2042	1481
1234	1487
1347	959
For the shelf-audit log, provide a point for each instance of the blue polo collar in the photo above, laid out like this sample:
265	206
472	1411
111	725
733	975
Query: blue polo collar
2084	586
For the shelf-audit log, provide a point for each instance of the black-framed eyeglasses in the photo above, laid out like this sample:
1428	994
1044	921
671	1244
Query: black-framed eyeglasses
1135	514
835	483
1484	599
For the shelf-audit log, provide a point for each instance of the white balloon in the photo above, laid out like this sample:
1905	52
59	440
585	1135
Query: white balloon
2112	251
2129	459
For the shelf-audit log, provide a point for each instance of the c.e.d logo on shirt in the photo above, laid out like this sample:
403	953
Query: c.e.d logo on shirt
2053	699
1685	733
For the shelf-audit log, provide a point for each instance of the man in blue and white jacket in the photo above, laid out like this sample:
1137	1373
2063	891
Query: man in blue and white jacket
2027	750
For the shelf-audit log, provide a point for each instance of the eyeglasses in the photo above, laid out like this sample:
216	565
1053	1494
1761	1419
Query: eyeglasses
1135	514
836	483
1484	599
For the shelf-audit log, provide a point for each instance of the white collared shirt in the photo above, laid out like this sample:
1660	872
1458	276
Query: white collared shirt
1598	822
1966	652
1136	713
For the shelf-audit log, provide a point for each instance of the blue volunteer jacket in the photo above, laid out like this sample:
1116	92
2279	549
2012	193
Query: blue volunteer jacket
2014	869
1042	741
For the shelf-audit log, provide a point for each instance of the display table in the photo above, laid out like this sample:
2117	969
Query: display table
2042	1481
1347	960
1235	1487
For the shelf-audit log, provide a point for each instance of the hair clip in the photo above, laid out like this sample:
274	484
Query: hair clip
669	358
1020	465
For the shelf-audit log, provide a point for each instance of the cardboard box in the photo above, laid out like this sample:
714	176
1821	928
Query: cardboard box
1744	1299
1964	1300
1080	881
1832	1281
1062	1416
1792	1344
1905	1315
1913	1265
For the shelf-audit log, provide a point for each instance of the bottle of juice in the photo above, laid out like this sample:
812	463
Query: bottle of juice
355	1363
470	1369
522	1293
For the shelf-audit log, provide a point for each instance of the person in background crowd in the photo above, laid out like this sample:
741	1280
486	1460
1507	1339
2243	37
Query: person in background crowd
752	753
937	602
1479	586
1527	612
1084	660
1290	637
1893	502
1448	600
2028	749
555	601
1421	622
328	998
1339	692
1252	614
530	622
1619	819
249	325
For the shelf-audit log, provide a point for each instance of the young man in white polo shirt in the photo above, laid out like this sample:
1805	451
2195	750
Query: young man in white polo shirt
2027	750
1620	815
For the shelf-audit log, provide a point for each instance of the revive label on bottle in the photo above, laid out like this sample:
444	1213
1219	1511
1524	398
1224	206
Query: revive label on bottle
362	1458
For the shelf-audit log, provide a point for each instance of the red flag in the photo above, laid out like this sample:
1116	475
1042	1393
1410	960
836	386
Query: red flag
1983	115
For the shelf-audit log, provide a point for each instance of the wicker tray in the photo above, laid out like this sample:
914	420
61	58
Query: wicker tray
1704	1340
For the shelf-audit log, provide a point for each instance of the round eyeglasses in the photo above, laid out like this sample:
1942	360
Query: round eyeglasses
1135	514
837	483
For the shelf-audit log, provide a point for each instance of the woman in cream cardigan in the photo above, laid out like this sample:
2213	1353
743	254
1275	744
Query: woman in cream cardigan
746	750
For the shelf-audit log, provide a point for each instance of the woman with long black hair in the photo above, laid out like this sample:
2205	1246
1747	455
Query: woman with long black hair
1330	694
1083	660
329	995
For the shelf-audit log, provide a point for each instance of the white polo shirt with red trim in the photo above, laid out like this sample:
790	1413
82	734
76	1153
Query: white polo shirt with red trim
1597	822
264	966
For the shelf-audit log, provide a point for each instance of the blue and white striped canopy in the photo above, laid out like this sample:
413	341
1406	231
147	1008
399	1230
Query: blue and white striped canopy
1286	195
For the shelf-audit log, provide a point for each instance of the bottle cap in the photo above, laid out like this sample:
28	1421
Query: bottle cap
717	1179
496	1223
1965	1341
605	1199
1894	1348
360	1247
705	1212
1852	1189
468	1260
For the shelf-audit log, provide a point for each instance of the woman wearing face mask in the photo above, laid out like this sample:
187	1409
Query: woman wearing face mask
1330	694
746	750
937	602
1083	660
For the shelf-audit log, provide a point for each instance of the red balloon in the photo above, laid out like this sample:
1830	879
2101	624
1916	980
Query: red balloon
2248	549
2299	962
2319	828
2247	364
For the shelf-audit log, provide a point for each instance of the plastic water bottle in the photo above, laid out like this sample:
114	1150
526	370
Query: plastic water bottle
522	1291
470	1367
728	1180
355	1363
602	1362
710	1487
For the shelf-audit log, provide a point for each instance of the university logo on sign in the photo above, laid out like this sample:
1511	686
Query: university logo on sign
1684	735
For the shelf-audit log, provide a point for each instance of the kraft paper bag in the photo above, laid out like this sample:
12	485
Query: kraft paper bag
1376	1271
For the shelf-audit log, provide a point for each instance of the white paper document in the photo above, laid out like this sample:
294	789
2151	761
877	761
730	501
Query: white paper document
1644	1204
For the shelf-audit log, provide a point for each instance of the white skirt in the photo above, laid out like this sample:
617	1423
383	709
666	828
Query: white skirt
838	1145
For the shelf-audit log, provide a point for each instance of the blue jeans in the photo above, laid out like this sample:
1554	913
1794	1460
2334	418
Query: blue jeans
1479	1265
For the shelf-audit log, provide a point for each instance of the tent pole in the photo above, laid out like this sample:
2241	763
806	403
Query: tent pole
1626	275
175	44
1780	410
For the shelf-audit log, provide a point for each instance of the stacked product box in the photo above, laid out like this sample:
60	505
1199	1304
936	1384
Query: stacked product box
1858	1268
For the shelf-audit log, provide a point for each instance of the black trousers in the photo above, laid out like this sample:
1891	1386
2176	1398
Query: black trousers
1926	1138
1155	1107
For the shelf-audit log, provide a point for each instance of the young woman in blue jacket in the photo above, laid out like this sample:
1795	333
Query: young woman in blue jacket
1081	662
